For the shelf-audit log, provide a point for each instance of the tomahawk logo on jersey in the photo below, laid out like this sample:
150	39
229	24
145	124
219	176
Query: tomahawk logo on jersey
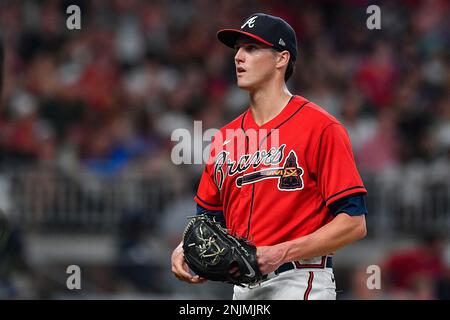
278	186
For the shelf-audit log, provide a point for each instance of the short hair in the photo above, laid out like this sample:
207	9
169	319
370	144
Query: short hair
289	70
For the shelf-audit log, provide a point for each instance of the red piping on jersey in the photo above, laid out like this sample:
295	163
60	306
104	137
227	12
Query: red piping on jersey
253	185
208	204
338	193
242	122
308	289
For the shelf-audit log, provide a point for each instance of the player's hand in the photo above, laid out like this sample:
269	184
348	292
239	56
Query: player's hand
269	258
181	270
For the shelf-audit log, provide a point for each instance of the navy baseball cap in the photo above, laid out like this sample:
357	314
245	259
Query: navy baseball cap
270	30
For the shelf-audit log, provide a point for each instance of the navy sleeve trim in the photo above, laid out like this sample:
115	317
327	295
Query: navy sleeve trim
209	204
353	205
202	210
345	190
217	214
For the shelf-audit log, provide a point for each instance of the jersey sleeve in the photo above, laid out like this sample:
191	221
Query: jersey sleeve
208	194
337	175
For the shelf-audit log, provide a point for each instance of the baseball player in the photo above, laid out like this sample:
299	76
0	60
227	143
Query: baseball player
285	178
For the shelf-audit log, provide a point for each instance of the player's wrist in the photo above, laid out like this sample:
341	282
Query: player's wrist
292	250
281	250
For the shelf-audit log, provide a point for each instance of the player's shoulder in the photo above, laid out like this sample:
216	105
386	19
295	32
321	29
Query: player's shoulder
315	114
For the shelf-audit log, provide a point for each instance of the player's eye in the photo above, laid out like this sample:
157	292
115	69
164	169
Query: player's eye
250	47
247	47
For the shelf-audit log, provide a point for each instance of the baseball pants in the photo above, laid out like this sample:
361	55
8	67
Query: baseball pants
307	280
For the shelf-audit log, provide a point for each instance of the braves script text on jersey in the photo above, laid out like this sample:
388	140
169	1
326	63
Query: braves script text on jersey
274	182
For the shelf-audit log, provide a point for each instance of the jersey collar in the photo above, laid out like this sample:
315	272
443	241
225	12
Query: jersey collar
293	105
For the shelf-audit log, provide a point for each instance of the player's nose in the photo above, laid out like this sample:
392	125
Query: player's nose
239	56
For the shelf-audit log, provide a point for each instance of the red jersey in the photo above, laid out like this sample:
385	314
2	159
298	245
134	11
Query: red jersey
274	182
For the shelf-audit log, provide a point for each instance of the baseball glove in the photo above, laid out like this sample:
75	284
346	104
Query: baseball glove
211	252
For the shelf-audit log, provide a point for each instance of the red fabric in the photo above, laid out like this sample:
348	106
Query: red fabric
22	137
98	84
310	151
377	81
403	267
310	282
335	169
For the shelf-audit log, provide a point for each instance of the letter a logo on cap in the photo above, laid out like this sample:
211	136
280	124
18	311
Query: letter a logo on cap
250	22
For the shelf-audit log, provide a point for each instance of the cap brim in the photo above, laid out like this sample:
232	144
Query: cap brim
230	36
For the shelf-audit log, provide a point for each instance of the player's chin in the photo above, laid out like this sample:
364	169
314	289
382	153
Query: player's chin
245	85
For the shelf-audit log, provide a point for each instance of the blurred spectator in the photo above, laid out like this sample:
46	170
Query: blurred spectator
15	274
422	287
380	151
443	286
358	289
134	264
2	58
360	128
377	75
158	59
416	271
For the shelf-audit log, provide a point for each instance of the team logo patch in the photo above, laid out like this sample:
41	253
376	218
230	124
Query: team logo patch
290	175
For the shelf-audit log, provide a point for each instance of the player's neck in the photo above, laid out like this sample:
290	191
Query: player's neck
266	104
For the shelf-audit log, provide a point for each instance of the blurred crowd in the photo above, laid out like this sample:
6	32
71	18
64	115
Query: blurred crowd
415	272
107	98
116	89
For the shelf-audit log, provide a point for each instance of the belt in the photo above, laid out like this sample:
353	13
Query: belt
325	262
315	263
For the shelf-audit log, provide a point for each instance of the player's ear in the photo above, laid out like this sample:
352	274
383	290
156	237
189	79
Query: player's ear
283	58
